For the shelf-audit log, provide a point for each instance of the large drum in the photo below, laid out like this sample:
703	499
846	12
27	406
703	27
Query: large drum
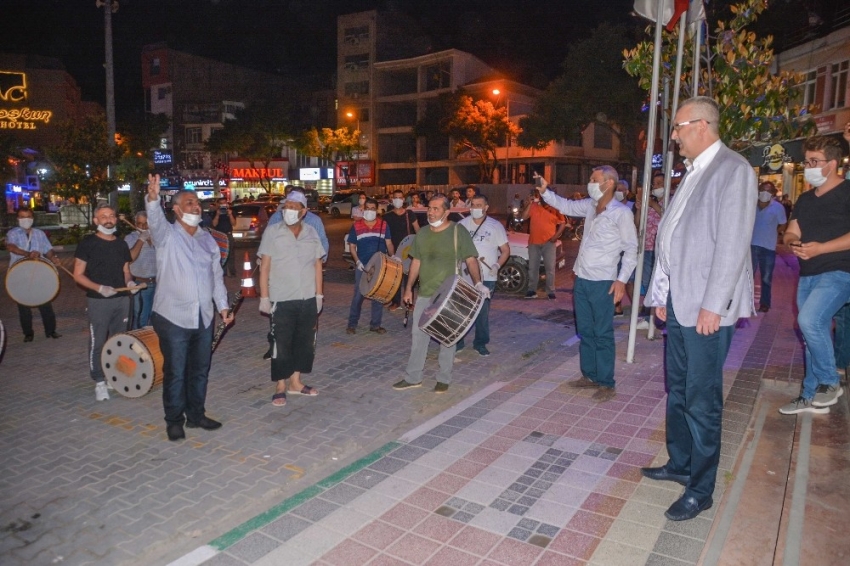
453	309
2	340
381	278
32	282
132	361
402	252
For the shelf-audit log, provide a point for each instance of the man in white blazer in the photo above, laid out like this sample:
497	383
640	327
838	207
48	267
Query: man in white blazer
701	285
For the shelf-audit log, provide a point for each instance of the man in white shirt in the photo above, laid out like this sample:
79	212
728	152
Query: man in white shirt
701	286
191	287
491	241
609	230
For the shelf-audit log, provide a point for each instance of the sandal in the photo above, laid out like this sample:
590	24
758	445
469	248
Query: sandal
306	390
279	399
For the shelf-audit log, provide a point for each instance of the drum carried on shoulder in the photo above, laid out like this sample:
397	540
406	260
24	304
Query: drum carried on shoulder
381	278
132	361
453	309
32	282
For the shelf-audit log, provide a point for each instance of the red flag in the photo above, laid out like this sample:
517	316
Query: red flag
679	8
671	11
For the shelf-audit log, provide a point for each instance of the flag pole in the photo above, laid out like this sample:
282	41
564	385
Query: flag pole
647	175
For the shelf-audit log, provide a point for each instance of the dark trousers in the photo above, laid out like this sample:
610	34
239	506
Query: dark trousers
377	308
186	353
47	317
765	260
594	309
107	317
695	402
842	337
293	332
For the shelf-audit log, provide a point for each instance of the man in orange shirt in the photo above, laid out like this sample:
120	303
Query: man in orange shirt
545	227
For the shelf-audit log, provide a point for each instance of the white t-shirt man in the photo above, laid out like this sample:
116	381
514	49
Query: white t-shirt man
488	237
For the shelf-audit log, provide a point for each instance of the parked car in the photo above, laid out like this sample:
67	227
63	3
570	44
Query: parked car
340	204
251	220
513	277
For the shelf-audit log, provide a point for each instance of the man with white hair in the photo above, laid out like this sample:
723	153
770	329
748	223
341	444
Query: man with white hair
291	294
143	268
609	231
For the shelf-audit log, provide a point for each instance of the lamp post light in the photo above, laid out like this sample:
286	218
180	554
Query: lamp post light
497	92
352	116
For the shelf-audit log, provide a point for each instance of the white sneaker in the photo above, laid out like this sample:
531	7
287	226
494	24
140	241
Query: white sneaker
100	391
109	385
642	324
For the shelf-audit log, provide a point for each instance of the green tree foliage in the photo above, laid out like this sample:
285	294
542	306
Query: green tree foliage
755	105
331	145
80	162
593	87
258	134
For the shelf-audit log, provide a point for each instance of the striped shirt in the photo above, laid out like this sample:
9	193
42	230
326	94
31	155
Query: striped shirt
368	240
145	264
188	272
35	241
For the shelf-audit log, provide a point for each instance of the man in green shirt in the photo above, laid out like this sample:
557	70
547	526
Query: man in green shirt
434	258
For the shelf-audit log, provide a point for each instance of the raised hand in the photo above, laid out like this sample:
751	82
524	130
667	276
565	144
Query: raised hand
153	187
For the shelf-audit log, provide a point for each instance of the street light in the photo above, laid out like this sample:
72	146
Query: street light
497	92
352	116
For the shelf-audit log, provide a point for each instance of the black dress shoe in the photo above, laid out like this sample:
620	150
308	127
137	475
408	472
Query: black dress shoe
661	473
28	338
686	508
54	335
175	432
204	423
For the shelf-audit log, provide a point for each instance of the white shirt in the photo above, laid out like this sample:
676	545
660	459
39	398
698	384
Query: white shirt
145	264
606	236
188	272
292	273
488	237
664	240
35	241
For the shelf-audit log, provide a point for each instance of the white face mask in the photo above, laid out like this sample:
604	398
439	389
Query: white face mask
291	217
362	203
814	176
765	196
477	213
191	219
437	223
104	230
398	203
619	195
594	192
25	223
370	215
658	193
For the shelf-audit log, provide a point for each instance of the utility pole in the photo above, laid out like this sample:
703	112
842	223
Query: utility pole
109	8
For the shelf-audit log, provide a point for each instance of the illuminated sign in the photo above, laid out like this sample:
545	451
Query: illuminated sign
774	156
13	188
162	157
124	188
195	184
310	173
13	88
360	173
243	170
254	173
657	160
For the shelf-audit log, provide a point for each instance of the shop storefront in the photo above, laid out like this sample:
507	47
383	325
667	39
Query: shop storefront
253	179
319	178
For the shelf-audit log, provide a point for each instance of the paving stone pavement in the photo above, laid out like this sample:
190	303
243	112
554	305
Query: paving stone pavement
83	482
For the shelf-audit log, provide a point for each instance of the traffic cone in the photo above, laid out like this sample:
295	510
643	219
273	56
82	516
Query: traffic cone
248	289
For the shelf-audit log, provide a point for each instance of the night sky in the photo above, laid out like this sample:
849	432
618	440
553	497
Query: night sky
526	39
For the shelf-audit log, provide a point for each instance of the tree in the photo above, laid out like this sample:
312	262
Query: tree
593	88
10	159
258	134
476	126
755	105
80	162
331	145
137	139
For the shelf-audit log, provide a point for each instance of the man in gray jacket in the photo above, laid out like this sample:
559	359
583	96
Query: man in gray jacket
701	285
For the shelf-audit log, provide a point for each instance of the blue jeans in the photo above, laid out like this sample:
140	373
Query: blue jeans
482	323
818	299
842	337
594	309
186	353
357	303
142	306
646	275
695	402
764	259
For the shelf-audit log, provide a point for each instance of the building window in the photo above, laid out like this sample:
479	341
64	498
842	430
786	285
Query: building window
575	139
162	92
357	62
839	84
602	137
357	88
154	66
356	35
364	114
438	76
807	88
193	135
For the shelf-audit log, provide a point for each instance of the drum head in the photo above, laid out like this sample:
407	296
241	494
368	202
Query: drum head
132	361
32	282
372	273
454	307
403	251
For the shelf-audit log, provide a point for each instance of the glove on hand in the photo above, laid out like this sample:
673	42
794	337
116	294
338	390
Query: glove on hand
265	305
482	288
360	266
132	284
107	291
319	301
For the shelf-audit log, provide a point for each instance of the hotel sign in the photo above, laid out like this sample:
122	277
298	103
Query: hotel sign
13	89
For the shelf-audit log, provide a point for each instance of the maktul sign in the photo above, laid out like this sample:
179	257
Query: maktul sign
276	170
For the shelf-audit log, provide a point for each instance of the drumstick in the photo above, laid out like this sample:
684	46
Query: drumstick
138	287
123	219
65	269
484	262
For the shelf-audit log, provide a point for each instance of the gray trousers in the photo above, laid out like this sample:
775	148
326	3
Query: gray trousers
106	318
419	349
547	250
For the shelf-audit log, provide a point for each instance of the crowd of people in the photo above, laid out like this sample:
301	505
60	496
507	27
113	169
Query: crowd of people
701	252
